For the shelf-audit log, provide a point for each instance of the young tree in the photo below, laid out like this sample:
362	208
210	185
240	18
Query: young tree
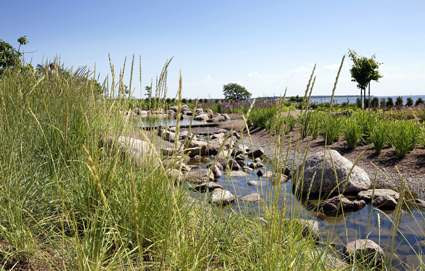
399	101
9	56
22	41
419	101
235	92
363	71
409	101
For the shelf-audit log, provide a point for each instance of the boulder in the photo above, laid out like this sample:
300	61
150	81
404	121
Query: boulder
253	197
310	228
264	173
237	173
328	172
215	169
254	183
202	117
226	116
207	187
199	176
369	195
385	199
256	153
132	148
338	204
222	197
366	252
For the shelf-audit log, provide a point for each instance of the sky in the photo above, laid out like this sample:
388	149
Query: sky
266	46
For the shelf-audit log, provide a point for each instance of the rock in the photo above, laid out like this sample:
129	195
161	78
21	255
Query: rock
215	169
253	197
284	178
254	183
265	174
132	148
207	187
420	203
167	135
310	228
222	197
237	173
366	252
210	113
199	111
199	176
233	165
218	135
202	117
256	153
188	113
226	116
175	174
338	204
247	169
368	195
384	202
385	199
318	174
197	158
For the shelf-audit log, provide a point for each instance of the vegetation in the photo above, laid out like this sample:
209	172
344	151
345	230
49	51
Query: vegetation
235	92
363	71
403	136
9	56
352	133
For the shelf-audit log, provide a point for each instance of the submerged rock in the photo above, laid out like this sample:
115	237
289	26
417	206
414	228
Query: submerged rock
207	187
222	197
385	199
338	204
253	197
256	153
310	228
366	252
328	172
254	183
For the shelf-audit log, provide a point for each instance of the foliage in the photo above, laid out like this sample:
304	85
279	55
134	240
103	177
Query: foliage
399	101
330	128
379	135
262	117
375	102
9	56
403	136
419	101
352	133
409	101
389	103
236	92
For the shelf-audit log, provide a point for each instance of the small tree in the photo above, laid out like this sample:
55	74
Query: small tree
9	56
390	102
235	92
419	101
363	71
399	101
22	41
409	101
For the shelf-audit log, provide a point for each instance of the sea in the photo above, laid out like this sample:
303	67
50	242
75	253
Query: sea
351	99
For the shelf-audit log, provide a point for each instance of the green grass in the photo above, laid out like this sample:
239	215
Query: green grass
68	204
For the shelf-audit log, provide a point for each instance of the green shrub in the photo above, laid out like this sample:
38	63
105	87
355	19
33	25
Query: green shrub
419	102
352	133
403	136
399	101
409	101
379	136
330	128
389	103
262	117
365	120
310	123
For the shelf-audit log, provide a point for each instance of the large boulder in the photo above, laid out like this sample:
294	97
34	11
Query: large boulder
366	252
222	197
199	176
256	153
137	150
202	117
253	197
328	172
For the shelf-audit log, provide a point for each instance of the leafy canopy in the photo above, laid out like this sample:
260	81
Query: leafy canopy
364	69
9	56
236	92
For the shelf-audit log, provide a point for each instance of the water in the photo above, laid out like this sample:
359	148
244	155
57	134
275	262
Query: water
166	122
351	99
401	248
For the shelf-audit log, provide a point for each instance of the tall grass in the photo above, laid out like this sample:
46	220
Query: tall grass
68	204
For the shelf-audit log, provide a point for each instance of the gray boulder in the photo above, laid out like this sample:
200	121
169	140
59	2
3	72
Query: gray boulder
339	204
366	252
328	172
253	197
222	197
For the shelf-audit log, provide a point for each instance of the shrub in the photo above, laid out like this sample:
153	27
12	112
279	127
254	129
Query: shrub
389	103
399	101
375	102
352	133
409	101
330	128
310	123
403	136
261	117
365	120
419	101
378	136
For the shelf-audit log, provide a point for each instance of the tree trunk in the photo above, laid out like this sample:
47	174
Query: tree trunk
361	98
368	103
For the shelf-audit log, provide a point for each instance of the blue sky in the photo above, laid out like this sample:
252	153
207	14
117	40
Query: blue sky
264	45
